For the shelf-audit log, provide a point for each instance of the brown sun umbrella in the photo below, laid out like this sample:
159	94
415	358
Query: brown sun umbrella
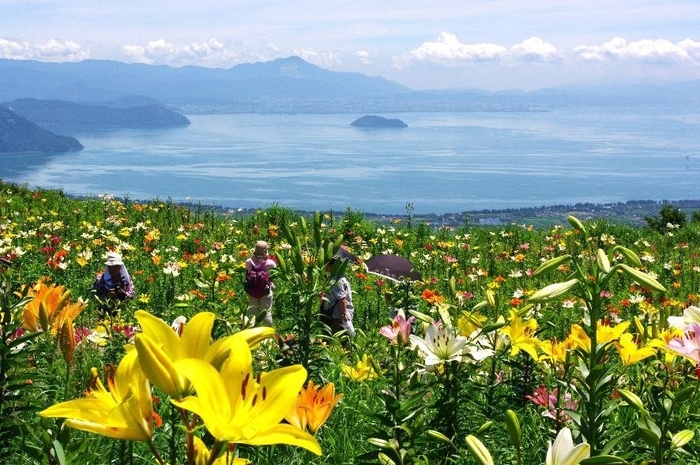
394	267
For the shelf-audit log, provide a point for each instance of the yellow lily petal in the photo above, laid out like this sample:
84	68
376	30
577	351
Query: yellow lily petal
196	337
287	434
219	351
211	390
124	412
160	332
159	367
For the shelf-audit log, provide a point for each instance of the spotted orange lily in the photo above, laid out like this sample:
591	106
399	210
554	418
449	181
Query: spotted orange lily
238	407
159	347
50	308
125	411
313	407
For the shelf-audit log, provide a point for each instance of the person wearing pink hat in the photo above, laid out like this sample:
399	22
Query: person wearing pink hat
258	285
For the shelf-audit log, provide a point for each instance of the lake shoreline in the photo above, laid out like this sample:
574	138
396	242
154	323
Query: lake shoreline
632	212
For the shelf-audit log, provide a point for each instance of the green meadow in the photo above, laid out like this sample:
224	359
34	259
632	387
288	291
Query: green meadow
569	343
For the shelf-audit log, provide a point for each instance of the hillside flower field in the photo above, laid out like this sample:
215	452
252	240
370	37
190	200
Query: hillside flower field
578	343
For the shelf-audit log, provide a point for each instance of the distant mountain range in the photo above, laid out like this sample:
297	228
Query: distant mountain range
292	85
19	135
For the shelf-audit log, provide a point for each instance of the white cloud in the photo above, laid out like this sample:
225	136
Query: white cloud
322	59
447	48
692	48
211	54
364	57
659	50
534	49
52	50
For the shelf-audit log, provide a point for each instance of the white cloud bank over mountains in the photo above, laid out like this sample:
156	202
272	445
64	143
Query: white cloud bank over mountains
446	51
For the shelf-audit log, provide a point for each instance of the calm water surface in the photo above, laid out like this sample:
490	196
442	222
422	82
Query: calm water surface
441	163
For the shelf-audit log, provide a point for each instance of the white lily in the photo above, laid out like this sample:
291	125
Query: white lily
563	451
439	345
690	315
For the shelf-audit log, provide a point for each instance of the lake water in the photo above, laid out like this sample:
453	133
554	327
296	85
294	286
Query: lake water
441	163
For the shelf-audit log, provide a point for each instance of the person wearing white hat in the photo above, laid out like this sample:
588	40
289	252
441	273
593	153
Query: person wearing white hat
114	283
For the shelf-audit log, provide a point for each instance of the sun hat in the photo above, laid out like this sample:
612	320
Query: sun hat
261	249
114	259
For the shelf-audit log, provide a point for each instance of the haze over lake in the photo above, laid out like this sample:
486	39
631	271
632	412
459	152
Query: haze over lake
441	163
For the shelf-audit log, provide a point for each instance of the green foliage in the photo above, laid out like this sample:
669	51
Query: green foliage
408	412
669	217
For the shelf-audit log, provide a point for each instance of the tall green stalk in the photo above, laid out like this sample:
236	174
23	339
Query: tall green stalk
591	273
303	266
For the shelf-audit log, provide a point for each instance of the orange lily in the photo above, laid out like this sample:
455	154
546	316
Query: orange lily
50	308
313	407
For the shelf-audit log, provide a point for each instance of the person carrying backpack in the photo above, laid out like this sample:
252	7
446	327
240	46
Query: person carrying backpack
257	284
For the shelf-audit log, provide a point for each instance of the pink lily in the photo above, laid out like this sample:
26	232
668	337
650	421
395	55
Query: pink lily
400	326
689	346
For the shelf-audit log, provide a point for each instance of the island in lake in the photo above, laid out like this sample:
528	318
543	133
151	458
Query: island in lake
371	121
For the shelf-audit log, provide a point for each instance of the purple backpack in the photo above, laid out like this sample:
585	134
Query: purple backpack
257	281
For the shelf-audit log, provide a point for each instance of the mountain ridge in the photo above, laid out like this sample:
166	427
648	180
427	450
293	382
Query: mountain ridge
292	85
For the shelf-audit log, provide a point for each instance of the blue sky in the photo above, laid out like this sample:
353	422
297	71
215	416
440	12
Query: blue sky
485	44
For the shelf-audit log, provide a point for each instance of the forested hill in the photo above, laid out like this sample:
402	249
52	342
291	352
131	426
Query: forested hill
19	135
60	112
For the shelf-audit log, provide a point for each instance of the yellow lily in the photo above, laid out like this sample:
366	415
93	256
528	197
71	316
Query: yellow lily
605	334
159	347
579	339
661	342
238	407
123	412
313	407
362	371
555	351
629	352
521	335
468	322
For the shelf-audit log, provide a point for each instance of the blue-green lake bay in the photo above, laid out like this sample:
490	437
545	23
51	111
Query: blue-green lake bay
440	163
